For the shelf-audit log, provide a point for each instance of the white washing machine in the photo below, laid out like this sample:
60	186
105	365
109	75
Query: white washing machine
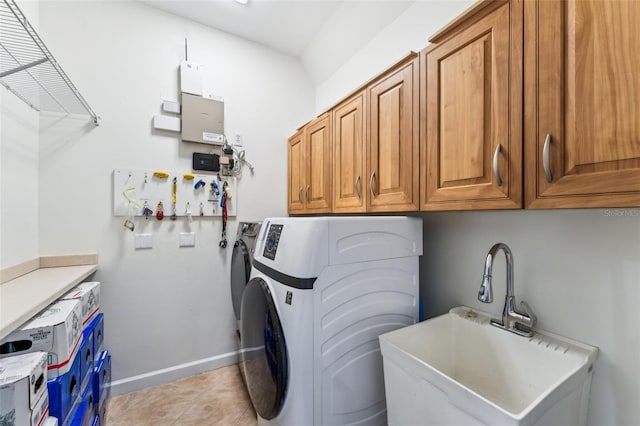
322	290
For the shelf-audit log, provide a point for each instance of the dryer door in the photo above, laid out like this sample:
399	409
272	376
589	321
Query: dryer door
240	272
264	352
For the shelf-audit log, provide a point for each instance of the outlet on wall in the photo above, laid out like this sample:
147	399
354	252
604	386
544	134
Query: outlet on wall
187	239
143	241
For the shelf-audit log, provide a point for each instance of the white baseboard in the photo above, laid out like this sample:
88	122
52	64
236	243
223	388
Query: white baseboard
176	372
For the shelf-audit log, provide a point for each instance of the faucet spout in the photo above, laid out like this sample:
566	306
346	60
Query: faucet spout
512	320
485	294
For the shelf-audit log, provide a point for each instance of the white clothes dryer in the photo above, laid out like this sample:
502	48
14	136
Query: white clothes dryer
241	264
322	290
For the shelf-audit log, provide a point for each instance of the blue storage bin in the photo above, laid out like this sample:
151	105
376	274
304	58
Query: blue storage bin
81	415
64	391
102	377
86	355
102	412
87	395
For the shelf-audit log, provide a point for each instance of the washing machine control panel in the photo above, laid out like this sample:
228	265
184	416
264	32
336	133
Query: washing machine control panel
273	238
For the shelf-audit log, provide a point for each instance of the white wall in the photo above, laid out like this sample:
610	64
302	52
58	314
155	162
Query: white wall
165	308
409	32
578	269
18	173
331	47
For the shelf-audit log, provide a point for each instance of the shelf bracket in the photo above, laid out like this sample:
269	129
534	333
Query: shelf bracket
23	67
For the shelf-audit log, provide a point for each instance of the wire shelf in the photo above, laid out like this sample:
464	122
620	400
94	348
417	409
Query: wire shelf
29	70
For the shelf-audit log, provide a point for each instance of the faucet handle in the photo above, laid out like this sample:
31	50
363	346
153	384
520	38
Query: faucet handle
529	312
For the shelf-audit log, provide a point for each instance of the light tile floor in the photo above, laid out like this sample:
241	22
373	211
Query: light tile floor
214	398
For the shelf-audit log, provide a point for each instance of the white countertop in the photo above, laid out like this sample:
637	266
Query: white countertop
23	297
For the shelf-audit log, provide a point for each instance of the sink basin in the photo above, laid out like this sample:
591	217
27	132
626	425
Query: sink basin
457	369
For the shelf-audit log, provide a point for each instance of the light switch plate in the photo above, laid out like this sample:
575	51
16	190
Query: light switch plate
187	239
170	106
144	241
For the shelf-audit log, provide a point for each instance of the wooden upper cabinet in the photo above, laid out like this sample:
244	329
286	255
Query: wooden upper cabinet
471	112
582	111
309	165
297	170
349	155
393	143
317	135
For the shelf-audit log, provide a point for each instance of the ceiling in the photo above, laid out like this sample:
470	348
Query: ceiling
322	33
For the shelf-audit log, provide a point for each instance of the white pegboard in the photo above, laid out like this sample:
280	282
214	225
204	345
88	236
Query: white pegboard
142	185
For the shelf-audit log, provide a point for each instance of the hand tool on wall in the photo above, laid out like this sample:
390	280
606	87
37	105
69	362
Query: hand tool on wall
174	197
159	211
188	213
129	195
146	211
160	174
128	222
223	204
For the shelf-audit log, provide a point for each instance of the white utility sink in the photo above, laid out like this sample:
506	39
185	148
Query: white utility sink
457	369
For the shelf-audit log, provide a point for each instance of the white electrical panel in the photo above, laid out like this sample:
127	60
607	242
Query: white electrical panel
135	190
202	120
191	78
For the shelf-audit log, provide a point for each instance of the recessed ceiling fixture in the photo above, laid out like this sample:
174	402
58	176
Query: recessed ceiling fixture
241	1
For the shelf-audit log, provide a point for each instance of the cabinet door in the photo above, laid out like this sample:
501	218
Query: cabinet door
471	102
318	176
582	111
297	170
349	154
393	141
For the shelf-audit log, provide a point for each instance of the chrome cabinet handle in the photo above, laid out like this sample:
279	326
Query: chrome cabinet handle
300	195
496	165
356	187
545	158
308	187
373	175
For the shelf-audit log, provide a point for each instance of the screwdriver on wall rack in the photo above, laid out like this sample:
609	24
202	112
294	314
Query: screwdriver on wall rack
174	196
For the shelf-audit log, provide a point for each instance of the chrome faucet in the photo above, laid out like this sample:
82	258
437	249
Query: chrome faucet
512	320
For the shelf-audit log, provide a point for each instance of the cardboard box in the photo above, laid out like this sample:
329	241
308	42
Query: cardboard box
40	411
64	391
50	421
89	295
56	330
97	326
22	386
102	378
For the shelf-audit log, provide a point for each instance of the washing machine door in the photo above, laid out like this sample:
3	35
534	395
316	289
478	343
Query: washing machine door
240	272
264	352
